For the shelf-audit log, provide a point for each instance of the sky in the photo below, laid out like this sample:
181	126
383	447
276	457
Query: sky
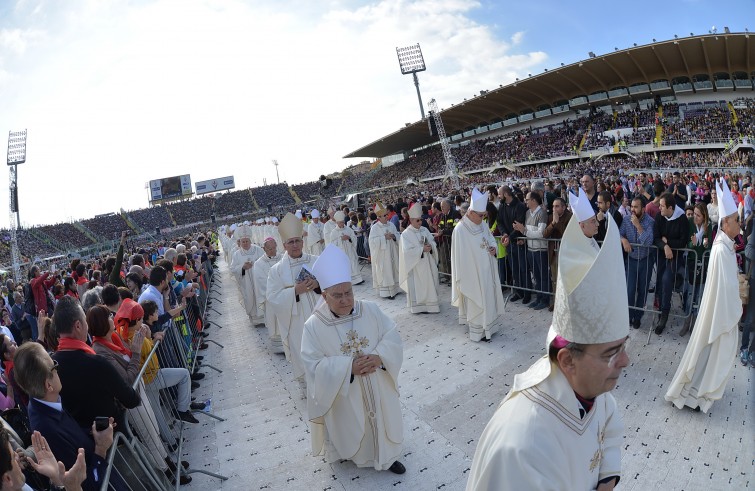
116	93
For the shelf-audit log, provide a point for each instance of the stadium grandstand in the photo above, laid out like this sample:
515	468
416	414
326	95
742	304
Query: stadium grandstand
681	103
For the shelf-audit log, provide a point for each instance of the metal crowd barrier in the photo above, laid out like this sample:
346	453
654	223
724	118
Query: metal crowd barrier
151	445
535	275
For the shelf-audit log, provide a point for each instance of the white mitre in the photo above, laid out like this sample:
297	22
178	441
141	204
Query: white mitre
233	227
581	206
275	219
332	267
315	213
591	304
290	227
243	232
339	216
298	214
726	204
380	209
479	201
415	211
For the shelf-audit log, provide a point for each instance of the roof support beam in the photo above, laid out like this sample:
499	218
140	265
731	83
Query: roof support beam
554	89
707	62
614	70
684	60
663	65
726	51
597	80
637	65
575	84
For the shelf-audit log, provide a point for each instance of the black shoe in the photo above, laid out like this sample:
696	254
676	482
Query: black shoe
194	385
197	376
661	323
527	299
204	346
182	479
397	468
515	297
197	406
203	334
635	323
199	357
187	417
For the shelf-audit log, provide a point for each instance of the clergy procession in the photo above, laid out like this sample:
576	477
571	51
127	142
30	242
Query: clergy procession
559	426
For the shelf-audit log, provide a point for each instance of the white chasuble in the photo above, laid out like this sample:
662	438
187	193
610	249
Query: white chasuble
360	419
246	280
349	246
475	287
327	229
538	440
709	359
384	258
314	236
418	270
261	271
290	310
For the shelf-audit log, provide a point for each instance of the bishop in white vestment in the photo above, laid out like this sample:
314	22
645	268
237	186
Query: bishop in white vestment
418	265
327	227
559	427
384	254
290	298
241	266
353	354
345	239
709	359
261	271
475	286
315	241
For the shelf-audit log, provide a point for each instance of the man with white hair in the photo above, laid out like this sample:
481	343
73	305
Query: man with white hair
315	240
559	426
709	358
352	353
261	271
292	291
384	254
241	266
475	286
345	239
418	265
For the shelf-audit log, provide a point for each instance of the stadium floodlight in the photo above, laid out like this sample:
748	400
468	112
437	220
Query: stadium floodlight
410	60
16	147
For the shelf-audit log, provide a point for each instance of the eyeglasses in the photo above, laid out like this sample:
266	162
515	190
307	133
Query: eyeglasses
54	366
294	242
610	359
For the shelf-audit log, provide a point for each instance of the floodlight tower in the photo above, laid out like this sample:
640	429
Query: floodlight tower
411	61
16	155
275	163
451	168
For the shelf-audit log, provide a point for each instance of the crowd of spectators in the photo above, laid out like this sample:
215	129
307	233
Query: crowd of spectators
191	211
109	226
233	203
151	218
274	195
700	124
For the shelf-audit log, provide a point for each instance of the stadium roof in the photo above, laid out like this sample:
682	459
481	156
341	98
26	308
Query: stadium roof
702	58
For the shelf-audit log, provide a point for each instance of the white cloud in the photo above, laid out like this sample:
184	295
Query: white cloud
114	95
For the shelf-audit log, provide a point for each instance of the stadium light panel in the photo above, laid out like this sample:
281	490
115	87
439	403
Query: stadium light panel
410	59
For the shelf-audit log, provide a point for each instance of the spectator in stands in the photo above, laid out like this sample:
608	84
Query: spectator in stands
555	230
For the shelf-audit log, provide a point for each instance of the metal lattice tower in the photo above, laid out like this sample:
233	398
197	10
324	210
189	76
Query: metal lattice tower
16	155
451	170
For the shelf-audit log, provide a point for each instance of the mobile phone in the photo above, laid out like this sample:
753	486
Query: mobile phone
101	423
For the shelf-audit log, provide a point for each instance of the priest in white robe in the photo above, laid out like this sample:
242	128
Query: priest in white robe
559	427
384	254
345	239
315	240
475	286
352	353
327	227
709	359
292	297
418	265
261	271
241	266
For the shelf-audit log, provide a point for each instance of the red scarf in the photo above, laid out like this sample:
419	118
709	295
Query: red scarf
74	344
115	343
